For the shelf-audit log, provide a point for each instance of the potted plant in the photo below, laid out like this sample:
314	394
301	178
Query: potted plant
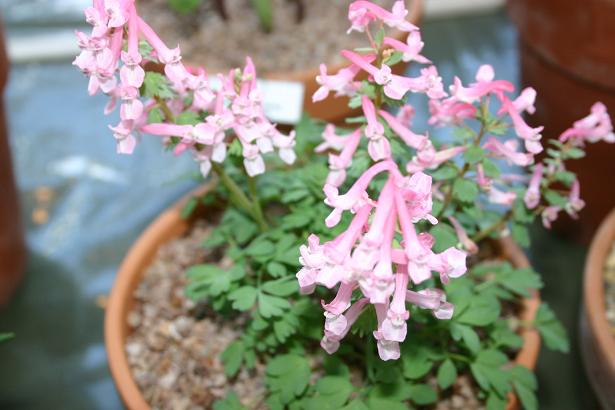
287	40
210	306
597	320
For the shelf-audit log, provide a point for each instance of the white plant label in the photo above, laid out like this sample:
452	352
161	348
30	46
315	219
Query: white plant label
282	100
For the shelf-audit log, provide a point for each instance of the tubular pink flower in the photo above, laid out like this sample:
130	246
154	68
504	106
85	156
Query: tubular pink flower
575	203
332	141
501	198
405	115
549	215
429	158
380	284
532	195
411	139
341	83
361	13
483	86
378	145
595	127
394	327
342	300
411	49
525	101
531	136
126	141
356	195
449	111
463	237
339	163
508	151
387	349
331	340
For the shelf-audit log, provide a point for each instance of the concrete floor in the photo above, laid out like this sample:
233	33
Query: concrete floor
103	201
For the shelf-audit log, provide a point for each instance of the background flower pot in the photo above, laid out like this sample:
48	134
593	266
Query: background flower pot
12	248
597	341
566	49
170	225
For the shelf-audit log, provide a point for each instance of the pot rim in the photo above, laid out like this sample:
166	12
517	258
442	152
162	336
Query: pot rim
169	225
594	291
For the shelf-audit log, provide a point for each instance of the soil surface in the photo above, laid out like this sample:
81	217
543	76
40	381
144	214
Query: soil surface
175	358
609	282
209	41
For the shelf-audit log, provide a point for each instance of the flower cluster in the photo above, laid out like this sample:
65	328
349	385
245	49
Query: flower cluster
368	263
221	107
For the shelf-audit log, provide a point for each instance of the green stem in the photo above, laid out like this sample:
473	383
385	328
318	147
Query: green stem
496	226
459	358
237	195
258	211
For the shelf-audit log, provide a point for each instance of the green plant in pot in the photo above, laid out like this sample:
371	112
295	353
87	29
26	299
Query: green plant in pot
397	242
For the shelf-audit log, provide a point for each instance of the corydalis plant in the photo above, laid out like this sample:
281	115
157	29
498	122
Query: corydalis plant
206	114
381	258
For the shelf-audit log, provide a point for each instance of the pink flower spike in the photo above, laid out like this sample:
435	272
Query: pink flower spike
450	111
549	215
463	237
341	83
483	86
341	301
508	150
593	128
532	195
384	211
575	203
411	139
411	49
378	145
332	141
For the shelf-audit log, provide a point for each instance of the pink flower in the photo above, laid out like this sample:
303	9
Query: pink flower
116	14
411	139
378	145
411	49
405	115
126	141
132	107
339	163
463	237
361	13
508	151
593	128
531	136
532	195
341	83
450	111
549	215
429	158
501	198
575	203
252	160
332	141
483	86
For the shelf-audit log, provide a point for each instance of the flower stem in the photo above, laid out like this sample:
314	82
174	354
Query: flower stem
258	211
237	196
496	226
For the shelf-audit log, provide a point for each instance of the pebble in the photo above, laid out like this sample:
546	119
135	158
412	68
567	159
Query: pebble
291	45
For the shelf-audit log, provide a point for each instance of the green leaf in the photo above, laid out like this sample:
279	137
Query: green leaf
288	375
6	336
243	298
494	402
394	58
281	287
276	269
230	402
211	280
260	248
188	118
377	403
155	116
444	235
574	153
333	393
423	394
379	37
447	374
444	172
520	281
184	6
297	220
555	198
552	331
465	190
490	168
355	405
156	85
269	306
526	395
482	311
295	195
520	234
474	154
232	357
470	338
416	362
189	207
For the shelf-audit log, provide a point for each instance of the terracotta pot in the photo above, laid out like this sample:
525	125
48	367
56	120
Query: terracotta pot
170	225
566	49
12	248
597	341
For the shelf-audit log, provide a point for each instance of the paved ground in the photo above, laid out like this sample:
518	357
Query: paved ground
103	201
